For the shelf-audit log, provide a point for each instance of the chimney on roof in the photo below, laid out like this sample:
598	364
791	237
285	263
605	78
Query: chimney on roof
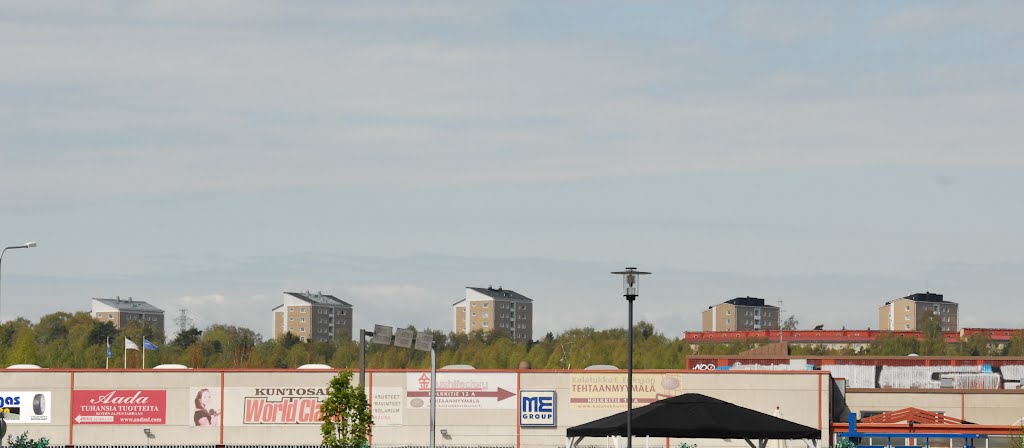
490	287
129	298
118	298
319	293
499	287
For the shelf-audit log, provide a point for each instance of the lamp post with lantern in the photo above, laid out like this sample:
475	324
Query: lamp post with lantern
23	246
630	289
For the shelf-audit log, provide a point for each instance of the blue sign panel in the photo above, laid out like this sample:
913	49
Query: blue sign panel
537	408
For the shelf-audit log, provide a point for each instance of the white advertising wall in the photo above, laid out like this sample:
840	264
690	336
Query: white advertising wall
281	407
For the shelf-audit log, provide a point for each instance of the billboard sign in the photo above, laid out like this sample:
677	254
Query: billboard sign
537	408
387	406
25	407
119	407
204	406
282	405
460	390
608	390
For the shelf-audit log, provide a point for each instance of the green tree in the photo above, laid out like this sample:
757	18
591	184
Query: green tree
25	350
186	338
934	344
1016	439
888	344
345	413
790	323
1016	345
978	344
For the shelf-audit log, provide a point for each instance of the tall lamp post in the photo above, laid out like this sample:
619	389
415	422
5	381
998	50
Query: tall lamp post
23	246
630	289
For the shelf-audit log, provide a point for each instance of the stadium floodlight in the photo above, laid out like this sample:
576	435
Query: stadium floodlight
381	335
403	337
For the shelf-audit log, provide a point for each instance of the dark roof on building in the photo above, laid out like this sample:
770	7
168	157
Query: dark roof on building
318	298
130	305
747	301
502	294
925	297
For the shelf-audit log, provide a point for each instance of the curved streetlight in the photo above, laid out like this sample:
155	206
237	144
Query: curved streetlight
630	289
23	246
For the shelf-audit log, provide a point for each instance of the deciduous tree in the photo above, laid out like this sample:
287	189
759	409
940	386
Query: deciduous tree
345	413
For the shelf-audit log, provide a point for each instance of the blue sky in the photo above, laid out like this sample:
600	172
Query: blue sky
210	155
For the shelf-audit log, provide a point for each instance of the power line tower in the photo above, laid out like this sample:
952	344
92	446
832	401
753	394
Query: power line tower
184	322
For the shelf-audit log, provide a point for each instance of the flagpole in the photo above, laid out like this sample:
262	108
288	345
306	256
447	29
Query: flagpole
107	354
126	352
144	351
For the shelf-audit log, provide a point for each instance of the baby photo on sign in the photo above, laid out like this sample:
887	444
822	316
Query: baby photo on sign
205	400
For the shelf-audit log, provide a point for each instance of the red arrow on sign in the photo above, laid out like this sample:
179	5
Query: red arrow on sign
500	394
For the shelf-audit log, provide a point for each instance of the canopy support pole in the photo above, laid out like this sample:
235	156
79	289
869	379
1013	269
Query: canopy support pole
750	443
763	443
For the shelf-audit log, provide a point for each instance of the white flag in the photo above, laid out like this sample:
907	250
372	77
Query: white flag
129	345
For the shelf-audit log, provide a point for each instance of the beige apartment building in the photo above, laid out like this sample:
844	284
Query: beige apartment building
741	313
313	317
122	311
495	309
908	313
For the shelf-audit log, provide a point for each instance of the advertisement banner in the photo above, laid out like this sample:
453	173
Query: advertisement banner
204	403
25	407
537	408
608	390
459	390
387	406
281	405
119	407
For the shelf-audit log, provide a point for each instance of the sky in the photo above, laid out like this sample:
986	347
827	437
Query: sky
209	155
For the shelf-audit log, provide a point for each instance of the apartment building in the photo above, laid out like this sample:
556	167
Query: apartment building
739	314
495	309
313	317
908	313
122	311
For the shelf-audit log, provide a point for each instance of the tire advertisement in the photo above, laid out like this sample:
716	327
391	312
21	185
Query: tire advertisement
26	407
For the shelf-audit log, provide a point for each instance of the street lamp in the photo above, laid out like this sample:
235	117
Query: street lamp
630	289
23	246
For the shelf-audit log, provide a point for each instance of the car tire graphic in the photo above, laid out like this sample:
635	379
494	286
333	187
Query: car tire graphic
39	404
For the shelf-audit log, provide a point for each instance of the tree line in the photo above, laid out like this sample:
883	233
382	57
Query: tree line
76	340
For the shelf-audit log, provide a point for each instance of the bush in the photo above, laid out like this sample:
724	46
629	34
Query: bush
23	441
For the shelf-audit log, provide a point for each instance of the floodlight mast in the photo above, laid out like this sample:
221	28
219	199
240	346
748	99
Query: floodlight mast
433	392
362	356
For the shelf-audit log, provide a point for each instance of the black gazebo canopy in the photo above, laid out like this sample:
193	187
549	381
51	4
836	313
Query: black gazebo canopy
700	417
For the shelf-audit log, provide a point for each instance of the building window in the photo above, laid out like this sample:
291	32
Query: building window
291	309
487	314
728	312
485	324
908	307
472	304
906	317
906	327
110	316
474	313
728	321
302	329
292	319
302	319
485	305
302	310
342	312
